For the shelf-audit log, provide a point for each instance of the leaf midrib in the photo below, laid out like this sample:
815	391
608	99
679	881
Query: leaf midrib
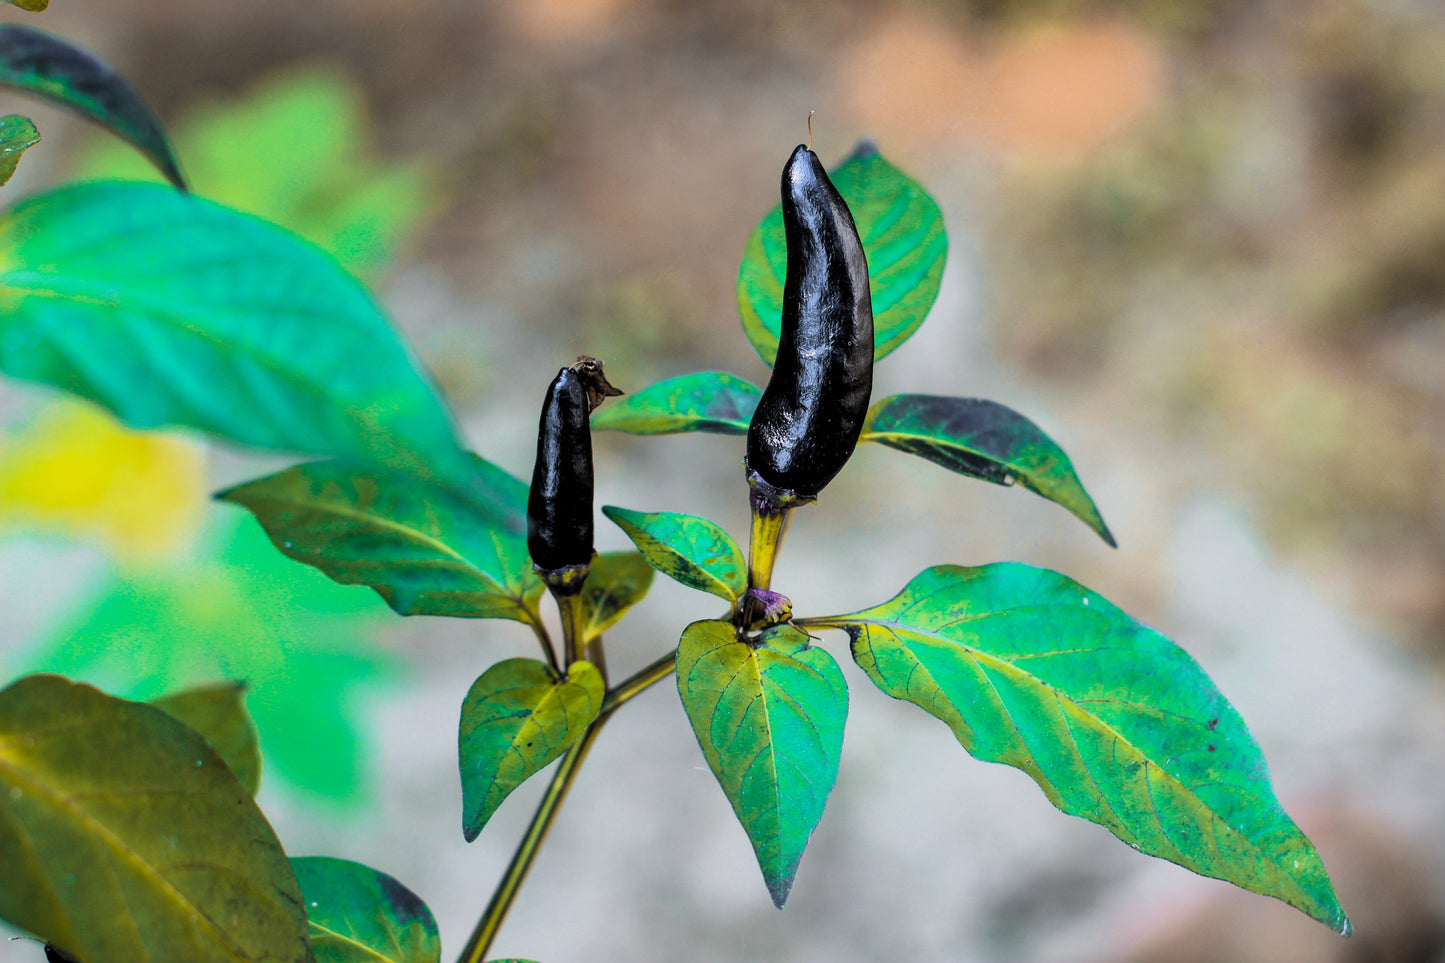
168	314
58	799
409	533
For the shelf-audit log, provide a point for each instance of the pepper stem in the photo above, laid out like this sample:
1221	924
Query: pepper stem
569	607
766	538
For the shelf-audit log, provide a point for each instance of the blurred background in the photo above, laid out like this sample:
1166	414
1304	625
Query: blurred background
1202	244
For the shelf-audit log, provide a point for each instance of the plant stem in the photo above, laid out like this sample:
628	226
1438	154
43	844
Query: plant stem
506	892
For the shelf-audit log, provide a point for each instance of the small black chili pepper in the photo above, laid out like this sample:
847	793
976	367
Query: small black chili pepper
807	423
559	506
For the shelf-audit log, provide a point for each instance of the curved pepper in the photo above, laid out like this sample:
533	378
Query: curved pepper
559	506
807	423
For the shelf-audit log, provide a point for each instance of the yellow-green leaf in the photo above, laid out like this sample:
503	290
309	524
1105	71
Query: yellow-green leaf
123	836
218	713
355	914
1113	721
694	551
768	713
516	719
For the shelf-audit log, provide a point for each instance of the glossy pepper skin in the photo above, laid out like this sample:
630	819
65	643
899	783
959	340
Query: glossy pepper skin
807	423
559	505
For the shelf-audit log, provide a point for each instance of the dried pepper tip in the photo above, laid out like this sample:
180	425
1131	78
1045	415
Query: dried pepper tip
589	372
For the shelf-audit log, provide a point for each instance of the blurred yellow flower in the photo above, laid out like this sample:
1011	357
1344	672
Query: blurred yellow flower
76	471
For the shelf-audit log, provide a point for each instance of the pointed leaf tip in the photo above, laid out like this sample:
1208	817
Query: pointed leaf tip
1114	722
768	714
55	69
688	548
985	440
516	719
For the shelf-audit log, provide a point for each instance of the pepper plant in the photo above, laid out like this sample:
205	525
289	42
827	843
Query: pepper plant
128	831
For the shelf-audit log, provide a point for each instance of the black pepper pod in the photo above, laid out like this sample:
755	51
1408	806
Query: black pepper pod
559	506
808	420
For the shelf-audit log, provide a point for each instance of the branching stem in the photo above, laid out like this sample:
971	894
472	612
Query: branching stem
506	892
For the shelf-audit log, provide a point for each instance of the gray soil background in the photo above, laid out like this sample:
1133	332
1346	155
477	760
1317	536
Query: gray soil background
1202	245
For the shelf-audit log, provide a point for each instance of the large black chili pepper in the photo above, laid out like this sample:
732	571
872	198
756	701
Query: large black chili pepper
559	506
807	423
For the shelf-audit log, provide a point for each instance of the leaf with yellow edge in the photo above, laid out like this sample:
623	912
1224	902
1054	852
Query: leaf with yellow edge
516	719
1114	722
125	837
768	713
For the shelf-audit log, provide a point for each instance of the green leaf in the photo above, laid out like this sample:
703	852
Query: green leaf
355	914
516	719
34	6
218	713
769	716
169	310
712	401
982	439
428	549
16	134
902	232
690	549
616	582
54	68
1113	721
125	837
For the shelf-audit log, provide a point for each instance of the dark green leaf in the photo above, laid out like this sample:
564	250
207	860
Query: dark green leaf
16	134
125	837
516	719
982	439
712	401
902	232
218	713
769	716
1113	721
53	67
170	310
616	582
426	548
355	914
690	549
